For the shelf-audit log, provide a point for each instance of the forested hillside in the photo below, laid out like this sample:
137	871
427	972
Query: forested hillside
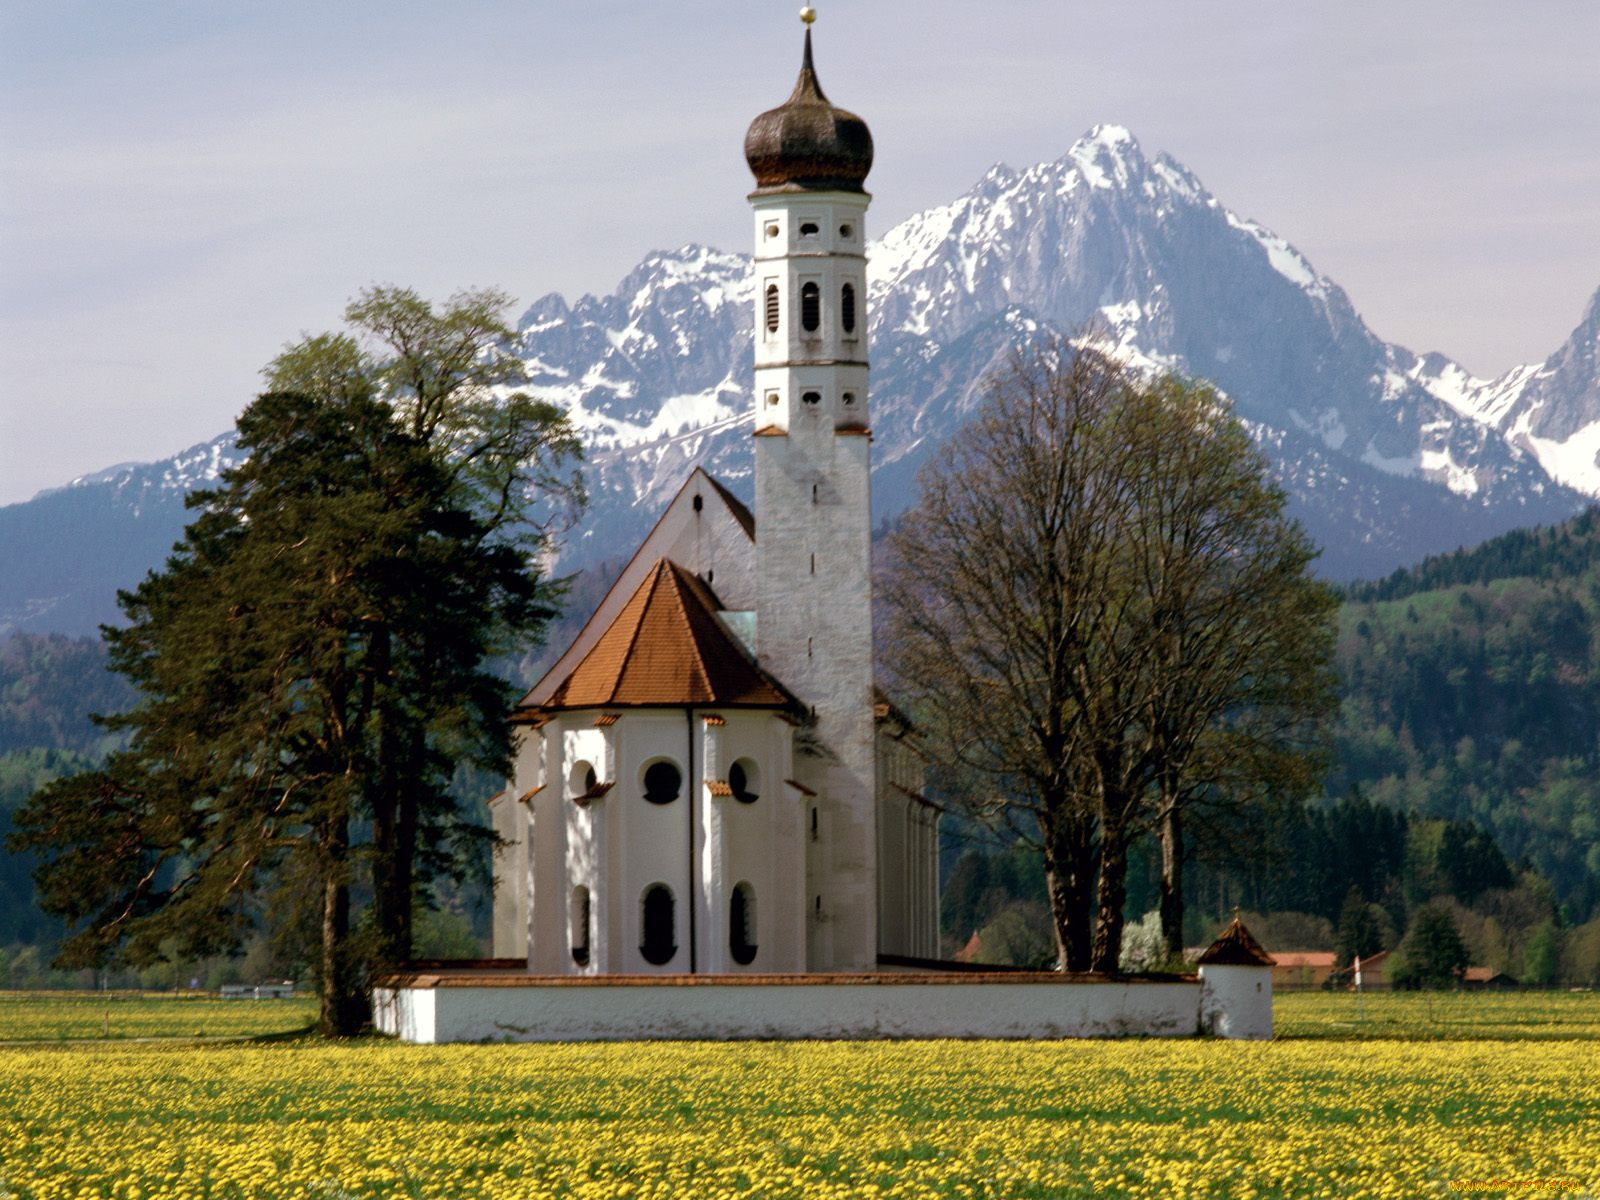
1472	692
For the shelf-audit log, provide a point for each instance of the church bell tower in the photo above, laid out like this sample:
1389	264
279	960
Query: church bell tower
813	504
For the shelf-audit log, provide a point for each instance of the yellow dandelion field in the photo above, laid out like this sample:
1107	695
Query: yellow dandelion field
1311	1115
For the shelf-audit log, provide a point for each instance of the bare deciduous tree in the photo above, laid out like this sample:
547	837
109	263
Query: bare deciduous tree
1100	615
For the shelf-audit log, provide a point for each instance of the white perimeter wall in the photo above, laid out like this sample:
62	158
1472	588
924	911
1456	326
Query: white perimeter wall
895	1007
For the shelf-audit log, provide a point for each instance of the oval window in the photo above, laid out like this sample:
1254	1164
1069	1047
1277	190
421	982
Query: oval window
810	307
658	935
772	308
662	782
847	307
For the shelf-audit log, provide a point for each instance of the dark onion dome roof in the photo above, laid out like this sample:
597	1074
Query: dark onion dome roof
806	144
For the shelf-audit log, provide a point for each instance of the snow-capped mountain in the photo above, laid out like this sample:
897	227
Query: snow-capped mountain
1387	455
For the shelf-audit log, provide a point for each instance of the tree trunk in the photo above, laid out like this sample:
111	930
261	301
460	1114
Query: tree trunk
1069	875
1111	895
1172	880
344	1001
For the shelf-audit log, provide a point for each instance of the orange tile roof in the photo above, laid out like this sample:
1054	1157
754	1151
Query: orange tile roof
1304	958
667	648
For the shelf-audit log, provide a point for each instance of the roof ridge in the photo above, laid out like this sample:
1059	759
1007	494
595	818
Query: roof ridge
648	591
680	591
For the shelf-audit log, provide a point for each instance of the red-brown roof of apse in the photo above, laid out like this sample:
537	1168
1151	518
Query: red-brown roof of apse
666	648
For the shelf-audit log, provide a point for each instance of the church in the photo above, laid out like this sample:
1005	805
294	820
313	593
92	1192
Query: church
707	782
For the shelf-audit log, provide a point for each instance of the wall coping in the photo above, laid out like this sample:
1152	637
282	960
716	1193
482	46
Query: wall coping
497	979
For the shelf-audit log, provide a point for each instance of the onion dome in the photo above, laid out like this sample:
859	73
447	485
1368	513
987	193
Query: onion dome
806	144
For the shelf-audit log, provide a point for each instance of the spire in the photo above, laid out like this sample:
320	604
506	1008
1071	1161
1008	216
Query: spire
806	144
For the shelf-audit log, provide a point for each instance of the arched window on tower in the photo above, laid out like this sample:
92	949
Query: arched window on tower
742	924
847	308
658	933
810	307
772	308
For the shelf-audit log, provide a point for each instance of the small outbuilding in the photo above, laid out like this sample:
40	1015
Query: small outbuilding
1236	986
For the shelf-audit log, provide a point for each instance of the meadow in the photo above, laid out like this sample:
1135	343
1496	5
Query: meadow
1407	1098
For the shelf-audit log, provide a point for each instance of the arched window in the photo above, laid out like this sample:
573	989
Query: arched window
581	779
810	307
658	936
847	307
578	932
744	780
662	781
772	308
742	924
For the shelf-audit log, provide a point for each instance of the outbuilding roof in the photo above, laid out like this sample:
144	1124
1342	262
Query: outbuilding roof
666	647
1235	947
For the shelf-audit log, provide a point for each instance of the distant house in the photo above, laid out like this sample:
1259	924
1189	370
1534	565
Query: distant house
1374	974
1301	969
1487	979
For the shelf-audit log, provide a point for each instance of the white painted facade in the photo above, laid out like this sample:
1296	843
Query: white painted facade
813	552
1236	1001
460	1009
834	862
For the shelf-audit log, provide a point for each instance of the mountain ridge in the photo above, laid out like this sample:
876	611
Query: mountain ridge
1388	455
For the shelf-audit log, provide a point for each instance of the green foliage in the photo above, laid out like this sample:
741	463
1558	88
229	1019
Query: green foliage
982	883
1471	692
1561	552
1541	960
314	655
1364	929
48	687
442	933
23	772
1452	858
1580	955
1432	954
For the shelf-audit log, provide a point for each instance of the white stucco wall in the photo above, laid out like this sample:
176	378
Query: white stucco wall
890	1006
1236	1001
700	846
813	545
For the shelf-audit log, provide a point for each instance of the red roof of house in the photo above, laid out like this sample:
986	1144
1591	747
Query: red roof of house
666	647
1303	958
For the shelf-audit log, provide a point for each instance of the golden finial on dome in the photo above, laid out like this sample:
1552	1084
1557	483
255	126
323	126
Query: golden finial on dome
808	14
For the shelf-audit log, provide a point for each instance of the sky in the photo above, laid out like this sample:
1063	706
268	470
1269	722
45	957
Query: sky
186	186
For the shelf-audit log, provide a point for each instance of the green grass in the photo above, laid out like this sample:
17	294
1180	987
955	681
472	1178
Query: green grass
99	1016
1438	1016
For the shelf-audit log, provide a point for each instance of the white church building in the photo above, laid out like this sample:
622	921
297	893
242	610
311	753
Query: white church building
716	827
707	781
